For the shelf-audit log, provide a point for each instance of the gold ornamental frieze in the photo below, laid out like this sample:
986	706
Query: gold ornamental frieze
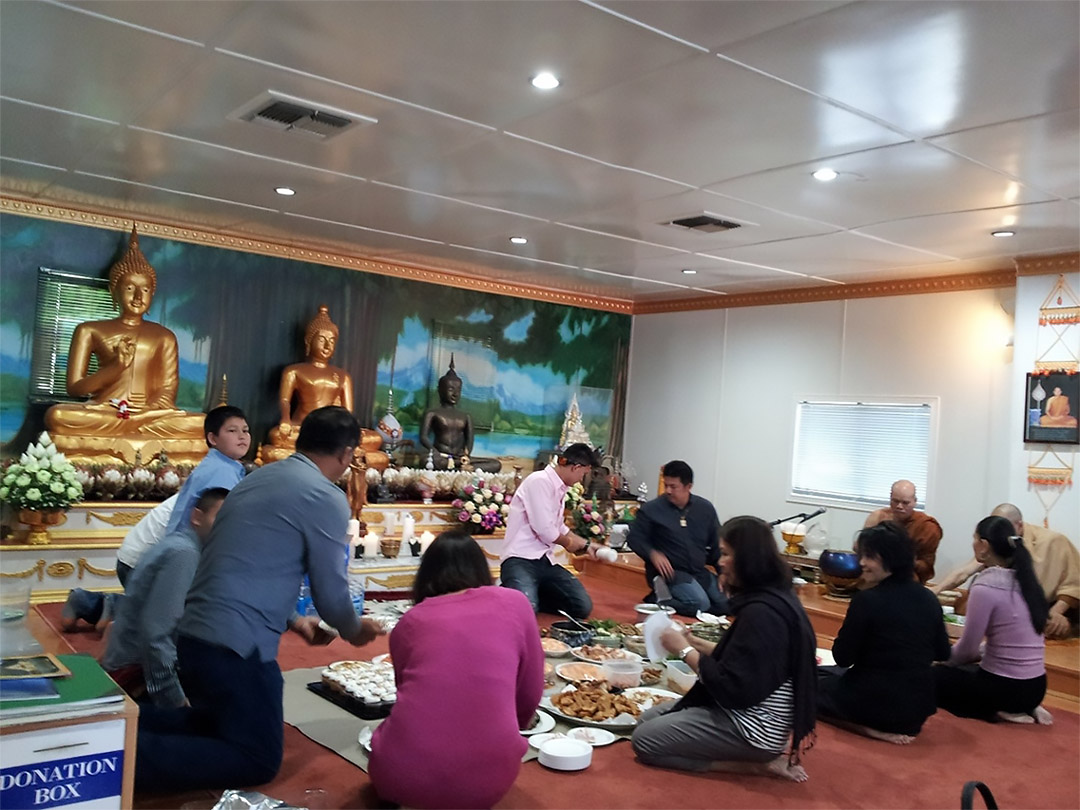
86	566
117	518
60	570
397	582
38	568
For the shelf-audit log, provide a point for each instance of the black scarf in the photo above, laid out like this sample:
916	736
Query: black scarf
803	657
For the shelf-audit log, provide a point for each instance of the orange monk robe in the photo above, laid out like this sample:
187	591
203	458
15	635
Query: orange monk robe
1057	413
924	531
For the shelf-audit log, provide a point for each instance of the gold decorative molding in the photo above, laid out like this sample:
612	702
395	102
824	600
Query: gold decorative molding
298	252
38	568
806	295
378	517
84	565
60	570
117	518
397	582
1047	265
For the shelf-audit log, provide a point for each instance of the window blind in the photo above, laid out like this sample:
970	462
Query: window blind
64	300
853	451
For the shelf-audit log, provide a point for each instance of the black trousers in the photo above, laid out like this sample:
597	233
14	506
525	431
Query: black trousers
971	691
231	736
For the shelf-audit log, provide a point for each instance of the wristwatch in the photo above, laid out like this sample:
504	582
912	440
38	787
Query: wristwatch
685	651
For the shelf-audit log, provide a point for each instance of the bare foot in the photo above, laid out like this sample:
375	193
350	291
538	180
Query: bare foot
778	767
785	770
895	739
1042	716
1018	717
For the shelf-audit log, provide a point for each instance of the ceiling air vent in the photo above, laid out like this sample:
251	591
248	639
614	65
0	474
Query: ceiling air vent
289	114
704	223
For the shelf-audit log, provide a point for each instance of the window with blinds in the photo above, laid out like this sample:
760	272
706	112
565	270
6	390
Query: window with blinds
852	452
64	300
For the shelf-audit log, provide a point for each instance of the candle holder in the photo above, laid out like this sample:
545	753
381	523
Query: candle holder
414	547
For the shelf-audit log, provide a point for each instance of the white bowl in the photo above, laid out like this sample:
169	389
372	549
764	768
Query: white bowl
565	754
645	610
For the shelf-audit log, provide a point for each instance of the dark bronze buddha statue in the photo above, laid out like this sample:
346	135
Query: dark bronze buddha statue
448	430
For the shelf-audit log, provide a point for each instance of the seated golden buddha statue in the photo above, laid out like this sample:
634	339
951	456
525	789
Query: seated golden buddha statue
316	384
448	430
132	395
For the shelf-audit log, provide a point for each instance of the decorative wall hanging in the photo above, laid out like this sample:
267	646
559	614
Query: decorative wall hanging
1052	405
1057	347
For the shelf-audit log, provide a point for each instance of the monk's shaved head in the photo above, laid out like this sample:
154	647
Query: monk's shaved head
1011	514
902	501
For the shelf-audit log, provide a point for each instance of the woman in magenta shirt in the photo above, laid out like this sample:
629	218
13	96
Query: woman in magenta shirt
1007	608
470	674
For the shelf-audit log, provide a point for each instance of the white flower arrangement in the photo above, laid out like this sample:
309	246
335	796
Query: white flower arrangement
483	505
41	479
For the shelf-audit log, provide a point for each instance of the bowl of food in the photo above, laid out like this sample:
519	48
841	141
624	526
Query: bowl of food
645	610
635	644
840	571
622	674
580	672
604	632
553	648
571	633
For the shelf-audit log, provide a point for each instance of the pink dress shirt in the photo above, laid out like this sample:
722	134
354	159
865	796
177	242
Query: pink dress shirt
536	520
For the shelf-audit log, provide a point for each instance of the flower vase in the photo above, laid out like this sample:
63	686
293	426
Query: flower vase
37	520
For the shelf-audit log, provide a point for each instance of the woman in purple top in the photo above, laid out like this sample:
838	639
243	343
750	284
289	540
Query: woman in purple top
1008	608
470	674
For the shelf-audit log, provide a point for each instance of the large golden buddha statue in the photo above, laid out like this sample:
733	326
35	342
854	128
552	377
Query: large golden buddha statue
448	431
132	395
315	384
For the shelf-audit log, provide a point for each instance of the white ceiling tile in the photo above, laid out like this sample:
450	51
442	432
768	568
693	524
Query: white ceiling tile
931	67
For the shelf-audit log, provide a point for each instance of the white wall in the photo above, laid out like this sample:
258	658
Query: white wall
718	389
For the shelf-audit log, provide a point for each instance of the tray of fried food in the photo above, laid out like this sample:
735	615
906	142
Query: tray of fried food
593	704
651	675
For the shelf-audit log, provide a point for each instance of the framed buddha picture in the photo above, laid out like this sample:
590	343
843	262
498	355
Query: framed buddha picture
1051	408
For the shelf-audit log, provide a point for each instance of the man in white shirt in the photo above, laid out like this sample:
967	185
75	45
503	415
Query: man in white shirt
97	608
535	526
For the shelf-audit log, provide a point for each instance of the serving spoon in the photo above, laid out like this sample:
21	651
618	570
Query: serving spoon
575	621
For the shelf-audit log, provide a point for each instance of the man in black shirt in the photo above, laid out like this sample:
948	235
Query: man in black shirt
677	535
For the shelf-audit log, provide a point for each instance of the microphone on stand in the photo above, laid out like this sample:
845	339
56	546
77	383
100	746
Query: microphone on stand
821	511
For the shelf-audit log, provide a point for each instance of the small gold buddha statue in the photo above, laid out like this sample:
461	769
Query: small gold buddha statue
315	384
448	430
132	396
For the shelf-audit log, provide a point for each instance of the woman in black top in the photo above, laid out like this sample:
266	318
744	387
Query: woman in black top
755	694
891	636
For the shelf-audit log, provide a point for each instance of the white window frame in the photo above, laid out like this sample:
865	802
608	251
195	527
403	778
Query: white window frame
869	501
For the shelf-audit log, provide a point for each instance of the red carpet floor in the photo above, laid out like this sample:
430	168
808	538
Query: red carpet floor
1025	766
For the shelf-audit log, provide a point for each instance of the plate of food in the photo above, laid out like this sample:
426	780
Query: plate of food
596	654
541	723
579	672
593	736
554	648
591	704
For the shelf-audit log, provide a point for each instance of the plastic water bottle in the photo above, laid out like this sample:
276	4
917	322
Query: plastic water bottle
304	605
356	591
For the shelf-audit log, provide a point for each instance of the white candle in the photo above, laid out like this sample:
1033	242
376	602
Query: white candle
426	539
354	529
408	528
371	544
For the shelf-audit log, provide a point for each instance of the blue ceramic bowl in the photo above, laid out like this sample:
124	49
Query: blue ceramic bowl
840	571
571	634
841	564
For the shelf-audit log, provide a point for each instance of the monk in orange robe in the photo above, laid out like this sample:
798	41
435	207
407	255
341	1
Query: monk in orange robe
924	530
1057	412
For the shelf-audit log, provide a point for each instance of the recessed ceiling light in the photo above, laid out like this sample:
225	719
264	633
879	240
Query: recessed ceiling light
688	272
824	175
284	191
1002	234
545	80
519	240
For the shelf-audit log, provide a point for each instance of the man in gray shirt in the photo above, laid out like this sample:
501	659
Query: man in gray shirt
282	521
141	653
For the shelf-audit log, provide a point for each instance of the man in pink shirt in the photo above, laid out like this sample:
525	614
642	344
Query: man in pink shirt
533	529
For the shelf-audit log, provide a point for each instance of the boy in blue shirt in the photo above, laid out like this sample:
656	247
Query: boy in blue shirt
228	436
